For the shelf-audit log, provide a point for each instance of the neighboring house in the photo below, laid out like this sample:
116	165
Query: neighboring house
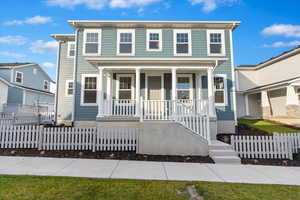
24	84
270	89
115	63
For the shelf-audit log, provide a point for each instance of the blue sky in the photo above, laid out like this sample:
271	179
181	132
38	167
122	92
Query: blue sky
268	27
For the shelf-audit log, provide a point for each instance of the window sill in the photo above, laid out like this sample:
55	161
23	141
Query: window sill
154	50
183	55
123	54
88	104
216	54
91	54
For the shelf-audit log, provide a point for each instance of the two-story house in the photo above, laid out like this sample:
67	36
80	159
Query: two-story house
24	84
134	71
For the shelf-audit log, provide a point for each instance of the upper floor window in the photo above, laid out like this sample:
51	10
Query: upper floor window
126	42
92	42
71	49
46	85
182	43
154	40
19	77
69	87
89	89
215	40
220	89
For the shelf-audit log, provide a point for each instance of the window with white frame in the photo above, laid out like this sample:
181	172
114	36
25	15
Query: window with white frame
46	85
215	41
69	87
184	87
92	42
71	49
89	90
125	86
126	42
182	43
220	89
19	77
154	40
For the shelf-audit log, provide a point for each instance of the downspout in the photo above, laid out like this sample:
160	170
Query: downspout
57	80
233	79
75	76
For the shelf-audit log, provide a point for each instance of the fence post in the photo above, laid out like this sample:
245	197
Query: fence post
94	135
141	109
40	141
13	118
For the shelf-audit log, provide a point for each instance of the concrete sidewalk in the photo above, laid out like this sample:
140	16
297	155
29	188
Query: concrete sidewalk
149	170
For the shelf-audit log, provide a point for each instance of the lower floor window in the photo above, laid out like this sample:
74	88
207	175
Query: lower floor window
220	91
184	86
89	90
125	87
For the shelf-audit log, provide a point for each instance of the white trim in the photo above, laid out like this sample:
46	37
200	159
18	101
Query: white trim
90	30
222	32
132	31
190	76
21	76
34	71
83	76
189	32
132	85
69	48
67	88
224	76
162	90
48	85
159	32
234	80
247	104
24	97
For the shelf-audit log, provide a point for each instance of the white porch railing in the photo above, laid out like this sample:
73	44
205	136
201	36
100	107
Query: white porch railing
119	107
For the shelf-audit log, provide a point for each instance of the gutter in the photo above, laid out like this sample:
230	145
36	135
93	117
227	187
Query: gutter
75	76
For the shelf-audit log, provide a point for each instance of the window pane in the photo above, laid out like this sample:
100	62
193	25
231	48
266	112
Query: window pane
183	94
90	83
215	48
70	85
125	48
72	53
183	83
126	37
182	48
124	94
219	82
92	37
90	96
70	91
154	36
125	82
219	97
91	48
215	37
182	38
153	45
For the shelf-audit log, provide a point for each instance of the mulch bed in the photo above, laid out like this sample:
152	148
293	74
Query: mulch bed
274	162
104	155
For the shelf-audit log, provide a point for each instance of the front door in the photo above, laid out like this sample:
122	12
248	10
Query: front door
154	88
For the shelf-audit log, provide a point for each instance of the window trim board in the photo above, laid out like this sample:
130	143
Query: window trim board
119	31
189	32
91	30
83	76
224	76
148	32
22	79
222	32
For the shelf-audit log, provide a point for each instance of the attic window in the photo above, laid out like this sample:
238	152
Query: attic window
46	85
19	77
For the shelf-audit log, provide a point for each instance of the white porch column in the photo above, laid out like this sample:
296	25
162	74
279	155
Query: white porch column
137	90
100	93
291	96
108	92
247	104
174	84
211	94
265	104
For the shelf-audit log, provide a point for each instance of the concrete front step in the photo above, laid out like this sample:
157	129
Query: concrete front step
226	160
223	153
229	152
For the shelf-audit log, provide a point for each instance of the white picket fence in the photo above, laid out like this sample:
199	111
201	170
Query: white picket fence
67	138
269	147
25	118
294	138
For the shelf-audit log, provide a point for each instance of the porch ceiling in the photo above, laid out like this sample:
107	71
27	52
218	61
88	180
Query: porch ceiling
156	63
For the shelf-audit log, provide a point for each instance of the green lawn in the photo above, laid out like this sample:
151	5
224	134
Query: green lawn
62	188
267	126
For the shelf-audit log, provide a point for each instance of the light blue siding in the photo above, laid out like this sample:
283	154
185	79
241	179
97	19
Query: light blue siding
6	74
15	96
32	98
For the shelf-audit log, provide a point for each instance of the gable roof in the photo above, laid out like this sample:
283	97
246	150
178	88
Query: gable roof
16	64
272	60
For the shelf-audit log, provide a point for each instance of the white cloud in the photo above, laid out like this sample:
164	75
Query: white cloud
91	4
16	40
287	30
12	55
283	44
210	5
48	65
31	20
130	3
41	46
